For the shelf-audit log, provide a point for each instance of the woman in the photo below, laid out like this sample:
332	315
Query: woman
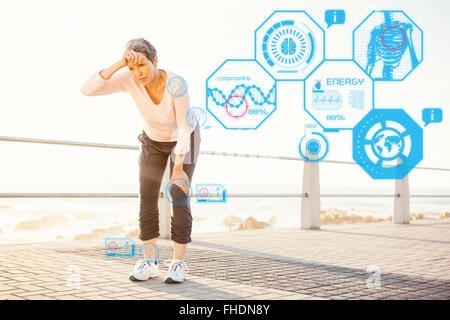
162	99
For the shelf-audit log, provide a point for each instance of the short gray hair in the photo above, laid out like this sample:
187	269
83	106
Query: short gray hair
143	46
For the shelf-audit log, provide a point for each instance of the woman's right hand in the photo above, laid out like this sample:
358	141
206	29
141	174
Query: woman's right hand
131	57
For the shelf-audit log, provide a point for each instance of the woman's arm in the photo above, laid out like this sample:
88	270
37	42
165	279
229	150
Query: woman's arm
107	81
181	104
107	73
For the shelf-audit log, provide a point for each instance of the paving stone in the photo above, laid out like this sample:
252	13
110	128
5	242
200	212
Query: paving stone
258	264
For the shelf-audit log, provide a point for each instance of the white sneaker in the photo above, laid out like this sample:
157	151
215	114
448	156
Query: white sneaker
177	271
143	271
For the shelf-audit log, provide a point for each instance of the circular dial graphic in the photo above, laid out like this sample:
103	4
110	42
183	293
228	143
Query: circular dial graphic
387	143
203	192
113	246
236	106
313	147
287	45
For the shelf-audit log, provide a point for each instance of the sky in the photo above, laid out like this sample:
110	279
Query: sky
49	48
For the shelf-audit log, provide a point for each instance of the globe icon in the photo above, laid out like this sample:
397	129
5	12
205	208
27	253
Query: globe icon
387	144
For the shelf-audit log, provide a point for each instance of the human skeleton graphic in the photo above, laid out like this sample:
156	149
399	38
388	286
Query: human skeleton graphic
388	43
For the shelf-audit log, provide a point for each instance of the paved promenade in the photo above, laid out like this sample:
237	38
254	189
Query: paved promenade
405	262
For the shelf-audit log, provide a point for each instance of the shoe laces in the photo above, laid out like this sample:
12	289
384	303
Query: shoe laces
140	265
177	264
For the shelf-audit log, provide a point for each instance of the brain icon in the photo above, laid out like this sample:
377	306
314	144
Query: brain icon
288	47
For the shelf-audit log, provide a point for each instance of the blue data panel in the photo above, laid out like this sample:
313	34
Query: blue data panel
211	193
289	45
388	45
240	94
338	94
387	143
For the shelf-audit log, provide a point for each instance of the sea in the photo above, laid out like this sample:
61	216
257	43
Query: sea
24	220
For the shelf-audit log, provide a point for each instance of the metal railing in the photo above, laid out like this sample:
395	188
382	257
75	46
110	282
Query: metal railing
310	215
213	153
232	195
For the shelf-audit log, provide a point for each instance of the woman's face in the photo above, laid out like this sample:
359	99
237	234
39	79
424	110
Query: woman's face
143	72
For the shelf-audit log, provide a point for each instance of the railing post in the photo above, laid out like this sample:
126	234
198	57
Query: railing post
310	215
164	206
401	201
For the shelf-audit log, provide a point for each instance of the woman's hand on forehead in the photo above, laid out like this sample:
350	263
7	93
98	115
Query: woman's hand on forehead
134	58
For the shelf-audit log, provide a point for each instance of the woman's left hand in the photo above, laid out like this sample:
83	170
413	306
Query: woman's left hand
184	185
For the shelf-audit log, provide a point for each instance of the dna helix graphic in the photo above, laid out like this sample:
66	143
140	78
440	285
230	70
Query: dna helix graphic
242	91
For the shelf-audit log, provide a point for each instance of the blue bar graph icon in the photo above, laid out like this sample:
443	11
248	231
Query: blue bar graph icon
120	247
211	193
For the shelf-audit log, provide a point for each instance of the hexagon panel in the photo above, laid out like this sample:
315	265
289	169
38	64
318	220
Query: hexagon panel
240	94
387	143
338	94
388	45
289	45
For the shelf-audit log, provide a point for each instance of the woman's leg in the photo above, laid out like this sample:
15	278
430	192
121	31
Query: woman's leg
152	163
181	225
178	250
